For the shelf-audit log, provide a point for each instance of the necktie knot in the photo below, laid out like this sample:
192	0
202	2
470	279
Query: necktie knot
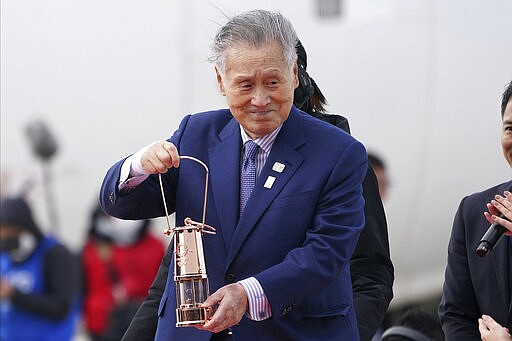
251	148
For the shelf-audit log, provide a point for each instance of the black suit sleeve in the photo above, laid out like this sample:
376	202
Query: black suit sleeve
459	310
143	325
370	266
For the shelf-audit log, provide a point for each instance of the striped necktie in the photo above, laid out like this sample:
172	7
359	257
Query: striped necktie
248	173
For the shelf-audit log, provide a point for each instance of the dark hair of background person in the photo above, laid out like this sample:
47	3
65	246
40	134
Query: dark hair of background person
379	167
375	161
415	325
307	96
506	96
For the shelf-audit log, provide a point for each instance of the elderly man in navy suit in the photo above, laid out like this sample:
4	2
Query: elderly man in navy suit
279	263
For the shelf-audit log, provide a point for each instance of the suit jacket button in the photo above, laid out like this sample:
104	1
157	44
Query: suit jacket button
111	197
230	278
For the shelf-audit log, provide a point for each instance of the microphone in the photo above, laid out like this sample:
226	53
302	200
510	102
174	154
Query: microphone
41	139
490	238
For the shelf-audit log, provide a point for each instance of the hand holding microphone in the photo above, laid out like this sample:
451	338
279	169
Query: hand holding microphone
500	217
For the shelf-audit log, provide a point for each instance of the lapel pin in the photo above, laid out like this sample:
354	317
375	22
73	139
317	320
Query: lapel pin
270	182
278	167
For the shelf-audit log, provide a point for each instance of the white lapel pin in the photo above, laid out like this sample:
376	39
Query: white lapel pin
278	167
270	182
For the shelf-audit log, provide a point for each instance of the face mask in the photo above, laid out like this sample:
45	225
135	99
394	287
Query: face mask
9	244
121	232
27	245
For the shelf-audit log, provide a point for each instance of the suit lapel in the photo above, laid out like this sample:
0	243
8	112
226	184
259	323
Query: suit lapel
509	277
498	254
501	252
283	151
225	178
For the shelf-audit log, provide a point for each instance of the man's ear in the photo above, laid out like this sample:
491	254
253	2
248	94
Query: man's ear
219	81
295	75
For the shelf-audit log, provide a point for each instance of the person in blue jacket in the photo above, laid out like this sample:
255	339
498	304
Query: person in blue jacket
39	279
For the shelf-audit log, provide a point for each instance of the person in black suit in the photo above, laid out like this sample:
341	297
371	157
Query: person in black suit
371	271
477	287
371	268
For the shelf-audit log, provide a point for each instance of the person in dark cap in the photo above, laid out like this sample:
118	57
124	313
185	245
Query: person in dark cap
39	279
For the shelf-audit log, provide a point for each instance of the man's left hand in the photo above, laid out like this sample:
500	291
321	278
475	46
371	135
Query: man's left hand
232	305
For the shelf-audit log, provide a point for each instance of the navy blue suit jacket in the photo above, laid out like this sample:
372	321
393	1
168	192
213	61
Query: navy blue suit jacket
296	237
474	285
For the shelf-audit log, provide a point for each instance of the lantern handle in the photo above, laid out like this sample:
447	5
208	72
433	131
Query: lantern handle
169	230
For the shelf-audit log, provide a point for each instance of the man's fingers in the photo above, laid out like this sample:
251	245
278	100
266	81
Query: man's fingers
492	209
156	166
488	216
230	300
173	152
212	300
503	205
164	158
218	322
159	157
489	322
482	328
503	222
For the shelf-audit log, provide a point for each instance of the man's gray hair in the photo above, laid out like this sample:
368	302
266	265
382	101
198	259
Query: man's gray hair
256	28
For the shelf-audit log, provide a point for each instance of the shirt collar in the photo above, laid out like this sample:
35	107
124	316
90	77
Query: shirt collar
264	142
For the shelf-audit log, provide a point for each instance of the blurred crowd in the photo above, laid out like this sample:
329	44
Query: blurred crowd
48	292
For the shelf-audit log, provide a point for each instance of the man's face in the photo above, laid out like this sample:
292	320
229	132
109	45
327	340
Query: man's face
506	137
258	86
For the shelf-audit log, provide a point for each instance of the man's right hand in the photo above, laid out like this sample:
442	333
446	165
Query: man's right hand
158	157
502	204
490	330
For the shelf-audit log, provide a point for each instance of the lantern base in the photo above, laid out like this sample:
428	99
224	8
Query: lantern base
188	317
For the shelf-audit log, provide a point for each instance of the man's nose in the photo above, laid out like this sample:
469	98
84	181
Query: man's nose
260	97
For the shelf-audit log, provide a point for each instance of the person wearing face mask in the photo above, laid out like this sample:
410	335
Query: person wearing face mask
39	279
119	260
